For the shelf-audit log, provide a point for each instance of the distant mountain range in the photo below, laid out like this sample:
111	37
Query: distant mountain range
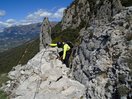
17	35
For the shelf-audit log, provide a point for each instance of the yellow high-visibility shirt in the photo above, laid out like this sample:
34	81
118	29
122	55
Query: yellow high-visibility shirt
66	48
53	45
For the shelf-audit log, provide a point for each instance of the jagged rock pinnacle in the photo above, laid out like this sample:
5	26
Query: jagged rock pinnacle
45	35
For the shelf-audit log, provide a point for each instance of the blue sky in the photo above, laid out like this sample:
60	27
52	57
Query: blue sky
22	12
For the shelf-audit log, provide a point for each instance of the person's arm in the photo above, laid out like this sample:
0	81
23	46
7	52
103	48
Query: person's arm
64	51
53	45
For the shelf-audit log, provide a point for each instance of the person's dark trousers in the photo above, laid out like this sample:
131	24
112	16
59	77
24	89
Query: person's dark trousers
66	60
61	53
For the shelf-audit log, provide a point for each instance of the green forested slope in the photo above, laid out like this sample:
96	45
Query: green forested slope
20	55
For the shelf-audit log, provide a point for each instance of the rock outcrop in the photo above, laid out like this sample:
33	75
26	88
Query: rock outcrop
45	35
82	12
43	77
103	59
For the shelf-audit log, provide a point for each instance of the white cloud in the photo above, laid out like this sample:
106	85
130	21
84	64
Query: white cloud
43	13
25	22
59	13
37	16
11	21
3	25
34	17
2	13
7	23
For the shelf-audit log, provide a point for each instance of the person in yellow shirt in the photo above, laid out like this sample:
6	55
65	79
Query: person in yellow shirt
65	54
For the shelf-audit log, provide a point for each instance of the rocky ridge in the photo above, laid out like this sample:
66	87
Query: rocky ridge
43	77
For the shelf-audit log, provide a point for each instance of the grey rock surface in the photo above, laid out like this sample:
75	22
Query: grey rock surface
43	77
45	35
87	12
103	59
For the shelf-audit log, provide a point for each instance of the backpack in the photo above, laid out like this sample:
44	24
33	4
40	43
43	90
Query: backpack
69	43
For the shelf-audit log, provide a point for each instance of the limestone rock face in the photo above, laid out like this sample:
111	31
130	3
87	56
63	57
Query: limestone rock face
82	12
45	35
43	77
103	60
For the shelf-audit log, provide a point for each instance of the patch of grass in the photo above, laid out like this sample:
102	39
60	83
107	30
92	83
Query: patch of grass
30	51
129	36
3	78
56	30
3	95
121	78
67	35
126	3
122	90
10	58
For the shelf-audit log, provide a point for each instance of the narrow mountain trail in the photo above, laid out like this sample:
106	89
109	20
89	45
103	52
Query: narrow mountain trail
43	77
